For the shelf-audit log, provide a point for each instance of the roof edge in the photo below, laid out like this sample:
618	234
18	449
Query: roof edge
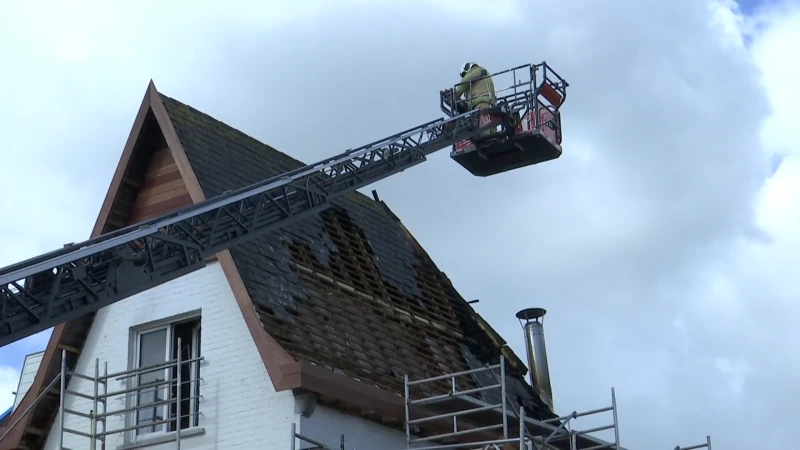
273	355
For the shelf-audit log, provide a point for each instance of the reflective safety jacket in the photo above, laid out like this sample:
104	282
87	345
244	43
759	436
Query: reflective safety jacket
478	89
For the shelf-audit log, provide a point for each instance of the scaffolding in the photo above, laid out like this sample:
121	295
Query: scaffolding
501	421
164	407
317	445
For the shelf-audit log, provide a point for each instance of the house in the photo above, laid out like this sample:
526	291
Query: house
312	327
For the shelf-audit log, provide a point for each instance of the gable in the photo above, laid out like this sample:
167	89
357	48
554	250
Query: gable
151	184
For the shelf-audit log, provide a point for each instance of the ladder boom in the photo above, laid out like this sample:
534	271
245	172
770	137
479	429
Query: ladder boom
79	279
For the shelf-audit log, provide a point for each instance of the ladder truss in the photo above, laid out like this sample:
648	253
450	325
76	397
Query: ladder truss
79	279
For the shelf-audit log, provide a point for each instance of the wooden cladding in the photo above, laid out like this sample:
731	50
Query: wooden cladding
163	190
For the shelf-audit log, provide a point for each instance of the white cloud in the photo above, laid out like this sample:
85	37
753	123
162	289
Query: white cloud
644	241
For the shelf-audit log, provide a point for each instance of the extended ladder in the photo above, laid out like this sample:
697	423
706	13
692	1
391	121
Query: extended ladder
62	285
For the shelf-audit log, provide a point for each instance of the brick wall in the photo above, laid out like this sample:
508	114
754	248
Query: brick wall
239	408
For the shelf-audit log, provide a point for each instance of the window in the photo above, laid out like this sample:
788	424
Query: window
155	347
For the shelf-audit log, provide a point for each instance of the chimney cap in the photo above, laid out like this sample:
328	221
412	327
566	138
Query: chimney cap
531	314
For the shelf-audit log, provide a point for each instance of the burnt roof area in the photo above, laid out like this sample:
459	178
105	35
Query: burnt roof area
348	289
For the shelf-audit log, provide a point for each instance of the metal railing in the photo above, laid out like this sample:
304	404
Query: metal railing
455	415
550	433
564	431
99	414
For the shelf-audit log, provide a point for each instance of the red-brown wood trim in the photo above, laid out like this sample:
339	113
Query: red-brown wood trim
161	179
306	376
158	209
175	146
272	353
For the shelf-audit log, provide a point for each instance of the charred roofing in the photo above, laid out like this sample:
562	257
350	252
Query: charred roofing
350	288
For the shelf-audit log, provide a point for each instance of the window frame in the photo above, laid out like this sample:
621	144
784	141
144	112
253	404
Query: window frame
136	333
165	390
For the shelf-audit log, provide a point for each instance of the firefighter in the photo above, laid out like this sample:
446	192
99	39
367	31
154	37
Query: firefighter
476	86
478	90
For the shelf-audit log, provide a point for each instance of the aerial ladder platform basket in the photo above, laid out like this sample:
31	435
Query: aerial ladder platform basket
525	122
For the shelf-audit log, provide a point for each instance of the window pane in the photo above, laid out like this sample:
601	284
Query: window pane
152	351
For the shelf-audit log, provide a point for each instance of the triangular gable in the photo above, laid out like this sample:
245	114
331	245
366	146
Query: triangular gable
169	160
153	177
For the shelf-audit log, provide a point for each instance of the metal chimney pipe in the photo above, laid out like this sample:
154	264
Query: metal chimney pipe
531	320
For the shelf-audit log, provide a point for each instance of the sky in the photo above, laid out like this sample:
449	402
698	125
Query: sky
662	243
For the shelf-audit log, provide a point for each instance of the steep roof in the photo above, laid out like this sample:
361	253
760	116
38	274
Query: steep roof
348	290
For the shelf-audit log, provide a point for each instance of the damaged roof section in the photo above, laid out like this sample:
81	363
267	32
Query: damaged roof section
349	288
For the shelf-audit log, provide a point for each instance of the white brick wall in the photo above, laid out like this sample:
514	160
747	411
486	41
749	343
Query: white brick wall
240	408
